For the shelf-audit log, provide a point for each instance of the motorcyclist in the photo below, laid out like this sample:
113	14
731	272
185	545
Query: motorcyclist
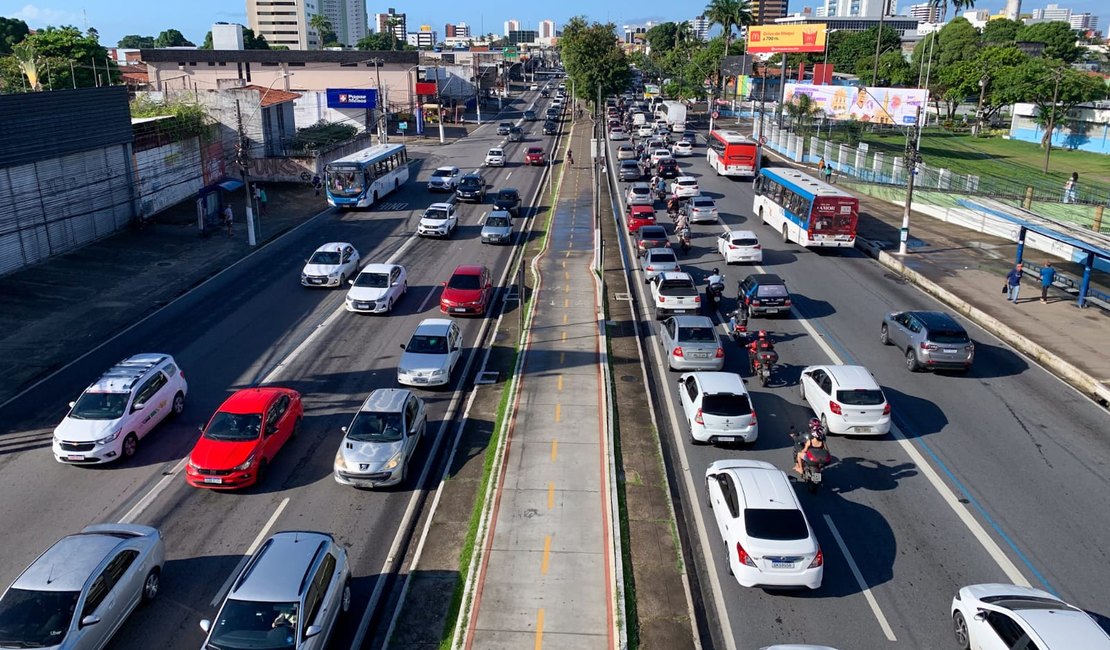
661	186
816	440
738	316
672	207
762	343
681	221
714	287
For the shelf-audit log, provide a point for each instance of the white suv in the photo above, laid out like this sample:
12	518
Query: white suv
444	179
126	403
439	220
495	157
1008	616
717	407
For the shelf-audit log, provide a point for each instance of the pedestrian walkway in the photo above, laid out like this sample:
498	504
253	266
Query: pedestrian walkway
546	575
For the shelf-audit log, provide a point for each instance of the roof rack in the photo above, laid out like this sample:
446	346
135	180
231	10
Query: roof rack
124	374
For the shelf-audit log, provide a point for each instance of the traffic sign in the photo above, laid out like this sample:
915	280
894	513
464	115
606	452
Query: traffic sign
762	139
716	115
402	126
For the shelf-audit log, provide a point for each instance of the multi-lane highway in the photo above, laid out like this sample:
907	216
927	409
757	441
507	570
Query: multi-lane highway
996	476
255	324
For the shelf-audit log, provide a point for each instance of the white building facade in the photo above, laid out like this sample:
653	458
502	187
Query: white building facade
347	18
284	22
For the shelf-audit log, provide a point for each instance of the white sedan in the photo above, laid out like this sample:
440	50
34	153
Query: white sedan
739	246
683	148
617	133
685	187
659	154
431	353
644	131
330	265
847	399
495	157
376	288
990	616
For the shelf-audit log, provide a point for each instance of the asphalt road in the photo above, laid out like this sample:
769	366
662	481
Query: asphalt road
997	476
256	324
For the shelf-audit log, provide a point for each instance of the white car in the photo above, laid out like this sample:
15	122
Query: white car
119	409
534	87
685	187
330	265
1000	617
431	353
659	154
439	220
377	288
444	179
639	194
683	148
495	157
659	260
644	130
739	246
617	133
847	399
701	209
768	540
717	407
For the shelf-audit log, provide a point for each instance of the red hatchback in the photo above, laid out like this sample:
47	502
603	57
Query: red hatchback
243	437
468	291
639	215
535	156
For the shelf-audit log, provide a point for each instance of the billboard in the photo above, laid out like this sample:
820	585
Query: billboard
352	98
871	104
768	39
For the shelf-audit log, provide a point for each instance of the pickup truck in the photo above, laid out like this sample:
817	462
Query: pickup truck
674	293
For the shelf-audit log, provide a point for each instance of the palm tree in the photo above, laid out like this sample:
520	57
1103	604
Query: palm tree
683	34
957	6
24	55
322	25
728	14
802	110
391	24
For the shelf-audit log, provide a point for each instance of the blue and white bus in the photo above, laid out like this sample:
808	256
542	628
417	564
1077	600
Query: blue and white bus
360	179
804	209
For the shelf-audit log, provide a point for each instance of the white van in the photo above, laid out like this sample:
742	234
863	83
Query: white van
639	118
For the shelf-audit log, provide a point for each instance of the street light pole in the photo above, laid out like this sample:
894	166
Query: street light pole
913	157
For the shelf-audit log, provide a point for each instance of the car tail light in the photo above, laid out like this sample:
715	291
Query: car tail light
886	409
732	248
650	267
743	556
753	417
678	351
698	418
928	346
757	247
818	559
787	302
720	353
754	302
835	408
697	298
662	299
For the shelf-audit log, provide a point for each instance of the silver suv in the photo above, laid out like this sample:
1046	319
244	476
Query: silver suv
289	595
930	340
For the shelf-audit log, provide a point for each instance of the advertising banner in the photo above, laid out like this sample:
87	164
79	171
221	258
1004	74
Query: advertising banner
876	105
352	98
768	39
425	87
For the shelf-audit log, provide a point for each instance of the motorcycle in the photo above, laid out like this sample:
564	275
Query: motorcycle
763	364
738	325
814	462
714	291
684	239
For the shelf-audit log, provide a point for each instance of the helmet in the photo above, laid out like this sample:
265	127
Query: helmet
815	425
819	435
715	271
762	334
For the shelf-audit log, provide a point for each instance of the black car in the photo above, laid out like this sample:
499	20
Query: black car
552	113
508	199
764	293
530	116
691	137
550	128
667	168
471	187
545	93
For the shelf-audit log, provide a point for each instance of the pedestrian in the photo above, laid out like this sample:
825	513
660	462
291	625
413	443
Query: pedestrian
262	199
828	173
229	218
1048	276
570	157
1013	284
821	166
1070	188
316	183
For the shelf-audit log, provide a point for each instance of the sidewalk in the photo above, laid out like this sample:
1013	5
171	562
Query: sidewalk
546	577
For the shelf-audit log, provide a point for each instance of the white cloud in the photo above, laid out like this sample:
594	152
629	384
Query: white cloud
47	16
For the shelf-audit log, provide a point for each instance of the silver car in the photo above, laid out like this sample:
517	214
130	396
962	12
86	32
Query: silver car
431	353
288	595
659	260
79	592
691	343
380	442
700	209
930	340
498	228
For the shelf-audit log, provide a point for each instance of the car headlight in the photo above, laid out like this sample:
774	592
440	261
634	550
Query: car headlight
109	438
246	464
439	373
393	462
403	371
193	466
333	275
340	461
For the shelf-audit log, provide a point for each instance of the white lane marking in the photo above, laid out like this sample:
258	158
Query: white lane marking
250	551
859	580
507	176
482	218
431	292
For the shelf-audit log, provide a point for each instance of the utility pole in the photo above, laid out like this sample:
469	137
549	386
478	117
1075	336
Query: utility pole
477	87
878	44
382	119
928	72
913	158
439	98
243	159
1051	126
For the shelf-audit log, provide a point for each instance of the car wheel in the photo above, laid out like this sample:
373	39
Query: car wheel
151	584
130	445
296	427
178	404
959	628
802	390
761	219
911	361
345	599
884	335
389	306
785	236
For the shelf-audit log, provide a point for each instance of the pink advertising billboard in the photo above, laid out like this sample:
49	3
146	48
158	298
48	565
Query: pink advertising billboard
871	104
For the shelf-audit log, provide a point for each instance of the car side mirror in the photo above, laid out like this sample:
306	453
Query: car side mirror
206	625
271	430
72	404
312	631
980	615
91	619
402	346
343	428
138	406
351	282
392	284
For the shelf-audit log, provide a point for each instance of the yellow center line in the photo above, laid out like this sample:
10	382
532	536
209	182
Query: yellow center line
564	319
546	555
566	303
539	629
558	412
551	495
566	275
554	450
559	383
564	264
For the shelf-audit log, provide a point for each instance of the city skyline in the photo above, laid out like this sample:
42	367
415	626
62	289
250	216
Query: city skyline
195	19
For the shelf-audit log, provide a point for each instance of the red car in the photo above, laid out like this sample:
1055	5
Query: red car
243	437
535	156
639	215
468	291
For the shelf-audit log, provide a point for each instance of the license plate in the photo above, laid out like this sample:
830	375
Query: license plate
699	355
458	310
362	305
862	429
680	311
215	480
419	380
815	477
949	351
75	457
314	281
782	565
726	438
773	310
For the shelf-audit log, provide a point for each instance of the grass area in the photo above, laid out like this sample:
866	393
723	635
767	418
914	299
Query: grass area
631	614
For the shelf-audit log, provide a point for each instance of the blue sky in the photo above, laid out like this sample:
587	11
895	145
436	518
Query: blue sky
113	19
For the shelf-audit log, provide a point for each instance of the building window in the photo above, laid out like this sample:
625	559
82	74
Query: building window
296	64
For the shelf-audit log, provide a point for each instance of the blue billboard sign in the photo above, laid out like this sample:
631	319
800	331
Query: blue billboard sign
352	98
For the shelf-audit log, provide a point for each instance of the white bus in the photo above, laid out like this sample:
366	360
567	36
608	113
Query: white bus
804	209
674	113
360	179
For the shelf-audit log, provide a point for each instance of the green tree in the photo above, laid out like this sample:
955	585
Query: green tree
801	111
847	48
250	41
956	42
172	38
729	14
25	56
376	42
12	32
661	38
1058	38
992	66
894	69
1043	80
592	58
1000	31
58	50
324	28
391	25
136	42
683	35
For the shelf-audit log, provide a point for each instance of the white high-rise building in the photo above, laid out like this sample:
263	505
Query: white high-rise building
284	22
400	28
1012	10
978	18
1052	13
924	12
699	25
1084	22
547	28
512	25
347	18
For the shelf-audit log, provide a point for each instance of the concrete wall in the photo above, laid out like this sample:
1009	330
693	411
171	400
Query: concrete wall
167	175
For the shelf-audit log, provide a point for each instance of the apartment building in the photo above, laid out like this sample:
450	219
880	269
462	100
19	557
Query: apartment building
347	18
284	22
400	24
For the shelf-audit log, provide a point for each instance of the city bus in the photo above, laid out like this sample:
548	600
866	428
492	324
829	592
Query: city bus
360	179
804	209
732	153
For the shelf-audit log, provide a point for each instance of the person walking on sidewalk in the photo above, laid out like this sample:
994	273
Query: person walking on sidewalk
262	200
229	218
570	157
1048	276
1070	188
828	172
1013	283
821	167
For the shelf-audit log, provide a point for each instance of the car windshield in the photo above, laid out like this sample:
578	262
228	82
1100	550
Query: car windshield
860	397
775	524
497	222
697	334
326	258
505	195
435	214
465	281
424	344
660	255
233	427
442	173
773	291
535	151
677	288
372	280
243	625
100	406
726	406
375	427
33	619
469	181
496	152
948	337
703	203
688	183
640	190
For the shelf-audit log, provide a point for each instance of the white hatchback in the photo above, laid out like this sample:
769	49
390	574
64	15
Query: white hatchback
330	265
768	540
639	194
685	187
985	617
847	399
644	131
739	246
376	288
683	148
431	353
717	407
495	157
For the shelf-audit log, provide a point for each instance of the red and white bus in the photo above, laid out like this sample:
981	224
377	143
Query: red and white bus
804	209
732	154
